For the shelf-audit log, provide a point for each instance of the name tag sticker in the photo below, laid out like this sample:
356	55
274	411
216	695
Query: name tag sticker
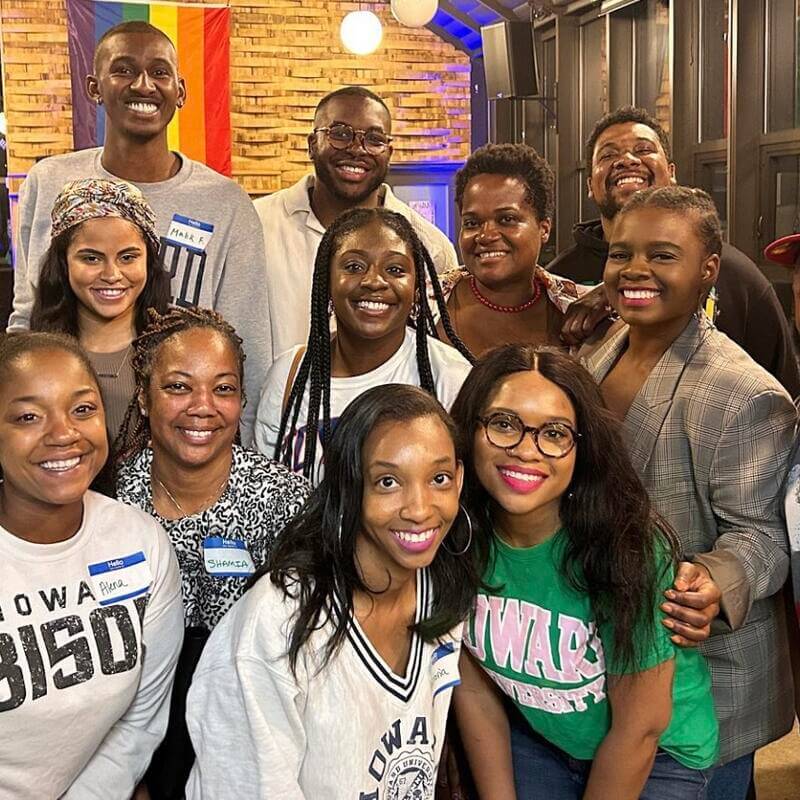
444	666
190	233
227	558
120	578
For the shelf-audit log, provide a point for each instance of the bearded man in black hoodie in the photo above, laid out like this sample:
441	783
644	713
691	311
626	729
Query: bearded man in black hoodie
629	151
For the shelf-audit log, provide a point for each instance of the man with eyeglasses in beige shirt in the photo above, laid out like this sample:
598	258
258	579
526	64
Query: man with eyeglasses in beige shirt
350	147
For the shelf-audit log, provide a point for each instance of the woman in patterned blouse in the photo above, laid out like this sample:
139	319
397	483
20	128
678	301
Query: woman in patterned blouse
222	506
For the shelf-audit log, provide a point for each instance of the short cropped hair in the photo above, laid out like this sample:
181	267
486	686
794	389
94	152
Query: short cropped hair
683	200
519	161
627	114
351	91
131	26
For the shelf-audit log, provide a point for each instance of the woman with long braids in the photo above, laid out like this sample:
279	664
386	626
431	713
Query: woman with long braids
372	273
98	278
178	459
331	678
568	626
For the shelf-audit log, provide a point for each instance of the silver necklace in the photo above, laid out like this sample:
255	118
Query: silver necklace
177	505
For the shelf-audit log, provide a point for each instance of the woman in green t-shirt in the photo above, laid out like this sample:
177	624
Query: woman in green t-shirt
568	627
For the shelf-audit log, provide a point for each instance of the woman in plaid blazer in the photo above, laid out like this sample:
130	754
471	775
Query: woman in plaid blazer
710	433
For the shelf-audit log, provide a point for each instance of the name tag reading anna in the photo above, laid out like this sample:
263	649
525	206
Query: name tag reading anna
227	558
190	233
120	578
444	666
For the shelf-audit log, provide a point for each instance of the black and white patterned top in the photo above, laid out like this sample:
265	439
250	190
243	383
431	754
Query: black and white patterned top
260	498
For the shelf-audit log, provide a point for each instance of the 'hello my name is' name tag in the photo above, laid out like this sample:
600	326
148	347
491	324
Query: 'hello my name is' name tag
190	233
120	578
227	558
444	666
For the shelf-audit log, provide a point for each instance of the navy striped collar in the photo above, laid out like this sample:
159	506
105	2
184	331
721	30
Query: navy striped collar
401	686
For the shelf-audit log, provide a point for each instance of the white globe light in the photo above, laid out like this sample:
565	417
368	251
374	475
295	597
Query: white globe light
361	32
414	13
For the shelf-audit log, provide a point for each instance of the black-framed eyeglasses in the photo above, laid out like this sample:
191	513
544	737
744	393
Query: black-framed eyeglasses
342	135
506	431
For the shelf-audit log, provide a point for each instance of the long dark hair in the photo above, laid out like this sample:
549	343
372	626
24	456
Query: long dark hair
134	432
55	306
315	369
613	537
314	558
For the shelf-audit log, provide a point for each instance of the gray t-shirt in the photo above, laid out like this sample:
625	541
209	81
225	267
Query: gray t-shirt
211	243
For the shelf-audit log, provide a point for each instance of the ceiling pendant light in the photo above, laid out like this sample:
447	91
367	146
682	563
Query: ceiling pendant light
414	13
361	32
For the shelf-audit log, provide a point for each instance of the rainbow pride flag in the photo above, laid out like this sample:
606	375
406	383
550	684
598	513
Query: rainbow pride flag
202	128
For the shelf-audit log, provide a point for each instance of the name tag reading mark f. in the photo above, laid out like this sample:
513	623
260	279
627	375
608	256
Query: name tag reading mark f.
227	558
444	666
189	233
120	578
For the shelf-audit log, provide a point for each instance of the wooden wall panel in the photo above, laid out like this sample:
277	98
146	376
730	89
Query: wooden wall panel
285	54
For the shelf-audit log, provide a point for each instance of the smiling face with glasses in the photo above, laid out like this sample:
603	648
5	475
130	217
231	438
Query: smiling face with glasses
350	146
524	451
340	136
504	429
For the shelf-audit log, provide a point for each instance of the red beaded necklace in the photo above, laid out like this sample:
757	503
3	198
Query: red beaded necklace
537	293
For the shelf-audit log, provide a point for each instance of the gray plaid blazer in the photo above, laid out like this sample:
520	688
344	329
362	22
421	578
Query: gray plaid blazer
710	434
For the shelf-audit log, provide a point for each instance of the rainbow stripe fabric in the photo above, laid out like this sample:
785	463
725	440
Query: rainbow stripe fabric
202	128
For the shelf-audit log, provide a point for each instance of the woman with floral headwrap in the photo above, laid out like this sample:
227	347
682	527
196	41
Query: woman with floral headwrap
98	278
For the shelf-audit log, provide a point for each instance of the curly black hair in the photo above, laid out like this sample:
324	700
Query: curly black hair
519	161
627	114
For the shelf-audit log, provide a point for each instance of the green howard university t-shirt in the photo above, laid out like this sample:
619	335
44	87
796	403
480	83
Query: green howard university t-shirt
537	639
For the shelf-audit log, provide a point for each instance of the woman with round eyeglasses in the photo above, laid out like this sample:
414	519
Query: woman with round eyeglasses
567	626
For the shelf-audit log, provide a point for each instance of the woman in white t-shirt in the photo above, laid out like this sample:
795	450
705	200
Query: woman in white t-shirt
332	676
91	618
370	272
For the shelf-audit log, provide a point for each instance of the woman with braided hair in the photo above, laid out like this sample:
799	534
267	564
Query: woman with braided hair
370	273
222	506
98	278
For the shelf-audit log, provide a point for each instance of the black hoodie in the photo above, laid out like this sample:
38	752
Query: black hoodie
749	310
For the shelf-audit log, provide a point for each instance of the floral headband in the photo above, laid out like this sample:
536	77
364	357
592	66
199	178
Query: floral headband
94	198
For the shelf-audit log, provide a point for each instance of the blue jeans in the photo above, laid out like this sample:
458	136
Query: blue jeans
732	780
541	770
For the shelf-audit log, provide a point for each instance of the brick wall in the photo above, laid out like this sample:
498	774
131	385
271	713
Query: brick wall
285	54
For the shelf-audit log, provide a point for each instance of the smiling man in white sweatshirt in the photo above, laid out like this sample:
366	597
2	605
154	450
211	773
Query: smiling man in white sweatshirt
211	242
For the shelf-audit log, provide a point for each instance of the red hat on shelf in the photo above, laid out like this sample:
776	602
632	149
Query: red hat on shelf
784	250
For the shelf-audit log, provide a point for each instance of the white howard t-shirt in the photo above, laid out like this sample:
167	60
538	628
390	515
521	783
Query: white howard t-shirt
86	660
448	366
353	731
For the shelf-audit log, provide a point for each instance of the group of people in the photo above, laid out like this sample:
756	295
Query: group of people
280	485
